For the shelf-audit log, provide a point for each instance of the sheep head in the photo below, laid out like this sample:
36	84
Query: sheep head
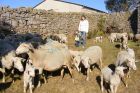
131	63
120	70
24	48
17	63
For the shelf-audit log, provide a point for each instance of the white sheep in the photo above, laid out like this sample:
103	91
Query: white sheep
99	39
90	56
10	61
131	36
50	59
113	37
117	36
126	59
137	36
113	78
28	76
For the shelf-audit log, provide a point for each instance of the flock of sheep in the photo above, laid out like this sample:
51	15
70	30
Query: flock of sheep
54	55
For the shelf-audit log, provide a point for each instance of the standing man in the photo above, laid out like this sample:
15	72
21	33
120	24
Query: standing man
83	29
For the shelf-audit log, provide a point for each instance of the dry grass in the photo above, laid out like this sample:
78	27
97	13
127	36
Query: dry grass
56	85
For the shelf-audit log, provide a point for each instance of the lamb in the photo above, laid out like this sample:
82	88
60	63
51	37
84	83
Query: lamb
113	37
131	36
99	39
113	78
49	60
10	61
90	56
28	76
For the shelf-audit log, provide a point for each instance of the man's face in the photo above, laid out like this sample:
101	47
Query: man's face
83	18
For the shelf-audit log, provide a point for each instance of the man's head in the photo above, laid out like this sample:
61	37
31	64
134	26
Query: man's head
83	17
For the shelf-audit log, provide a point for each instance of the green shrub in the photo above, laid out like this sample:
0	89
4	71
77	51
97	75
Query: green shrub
99	33
100	27
101	23
90	35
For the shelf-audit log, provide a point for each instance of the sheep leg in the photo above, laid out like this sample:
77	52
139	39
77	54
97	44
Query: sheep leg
125	83
88	71
40	73
33	82
128	73
44	77
2	70
100	63
71	74
13	79
77	67
92	67
31	87
25	86
39	82
112	88
50	75
62	73
3	79
102	87
116	87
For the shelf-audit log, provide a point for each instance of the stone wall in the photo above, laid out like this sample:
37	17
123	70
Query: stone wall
23	20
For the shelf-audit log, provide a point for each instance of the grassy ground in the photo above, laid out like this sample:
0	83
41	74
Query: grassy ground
57	85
